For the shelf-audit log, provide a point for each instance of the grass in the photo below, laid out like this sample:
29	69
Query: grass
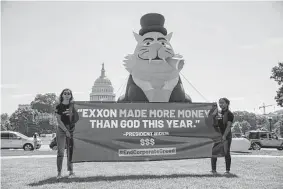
248	173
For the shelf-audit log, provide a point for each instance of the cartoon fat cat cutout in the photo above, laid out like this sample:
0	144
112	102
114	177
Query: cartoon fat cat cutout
154	67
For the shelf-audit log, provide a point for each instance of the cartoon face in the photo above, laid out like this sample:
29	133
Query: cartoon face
154	58
153	47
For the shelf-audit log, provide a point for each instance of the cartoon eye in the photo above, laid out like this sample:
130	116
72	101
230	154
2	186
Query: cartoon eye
147	43
163	43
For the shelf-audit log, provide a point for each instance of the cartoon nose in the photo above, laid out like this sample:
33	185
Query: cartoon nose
156	46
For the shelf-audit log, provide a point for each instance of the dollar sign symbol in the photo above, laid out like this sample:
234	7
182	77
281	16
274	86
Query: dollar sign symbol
152	141
142	142
147	141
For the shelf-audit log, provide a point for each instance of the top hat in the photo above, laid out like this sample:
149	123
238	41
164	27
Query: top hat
152	22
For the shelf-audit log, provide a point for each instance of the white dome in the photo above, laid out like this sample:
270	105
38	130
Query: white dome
102	81
102	89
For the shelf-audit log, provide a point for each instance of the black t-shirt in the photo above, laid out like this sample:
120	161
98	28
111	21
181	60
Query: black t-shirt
60	109
223	126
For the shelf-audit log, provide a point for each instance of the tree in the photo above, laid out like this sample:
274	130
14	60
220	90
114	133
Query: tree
46	127
44	103
277	75
262	122
5	123
236	127
246	116
22	120
47	122
245	126
277	127
241	127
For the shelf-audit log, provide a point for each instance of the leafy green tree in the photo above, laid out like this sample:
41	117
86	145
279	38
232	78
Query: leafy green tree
23	119
5	123
44	103
236	127
245	126
277	75
246	116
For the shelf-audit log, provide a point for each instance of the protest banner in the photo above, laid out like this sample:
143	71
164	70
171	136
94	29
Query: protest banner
144	132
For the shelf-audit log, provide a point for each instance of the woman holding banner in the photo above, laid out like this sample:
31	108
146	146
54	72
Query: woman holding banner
67	116
225	120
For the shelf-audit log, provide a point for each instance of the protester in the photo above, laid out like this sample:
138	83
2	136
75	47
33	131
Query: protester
67	116
225	120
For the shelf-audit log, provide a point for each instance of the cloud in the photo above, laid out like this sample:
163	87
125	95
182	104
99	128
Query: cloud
274	41
22	95
248	46
9	86
230	98
268	43
236	98
208	27
29	94
78	92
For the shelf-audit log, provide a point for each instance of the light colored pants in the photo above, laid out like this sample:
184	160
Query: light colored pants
62	142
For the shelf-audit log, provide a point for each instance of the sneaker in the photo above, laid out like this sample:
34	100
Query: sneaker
227	172
59	176
71	174
213	171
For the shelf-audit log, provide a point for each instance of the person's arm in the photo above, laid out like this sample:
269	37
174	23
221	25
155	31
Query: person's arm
75	114
60	123
229	124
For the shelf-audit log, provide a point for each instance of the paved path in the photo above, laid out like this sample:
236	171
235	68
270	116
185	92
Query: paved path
23	157
46	148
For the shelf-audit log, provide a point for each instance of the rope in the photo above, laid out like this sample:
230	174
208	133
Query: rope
192	85
122	87
194	88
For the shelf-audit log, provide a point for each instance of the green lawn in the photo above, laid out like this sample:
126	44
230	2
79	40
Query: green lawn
248	173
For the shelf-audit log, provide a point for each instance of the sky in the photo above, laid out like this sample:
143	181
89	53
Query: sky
229	48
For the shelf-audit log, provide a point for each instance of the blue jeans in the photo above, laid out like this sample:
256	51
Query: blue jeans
62	142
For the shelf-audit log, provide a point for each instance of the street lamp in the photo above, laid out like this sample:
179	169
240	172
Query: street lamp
270	119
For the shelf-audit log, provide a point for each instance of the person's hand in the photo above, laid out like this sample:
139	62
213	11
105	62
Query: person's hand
66	112
223	138
68	134
215	112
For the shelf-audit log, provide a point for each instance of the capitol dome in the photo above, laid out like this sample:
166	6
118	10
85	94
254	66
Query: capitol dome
102	90
102	81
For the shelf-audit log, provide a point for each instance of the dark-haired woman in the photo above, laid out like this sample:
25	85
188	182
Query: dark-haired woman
66	117
225	121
